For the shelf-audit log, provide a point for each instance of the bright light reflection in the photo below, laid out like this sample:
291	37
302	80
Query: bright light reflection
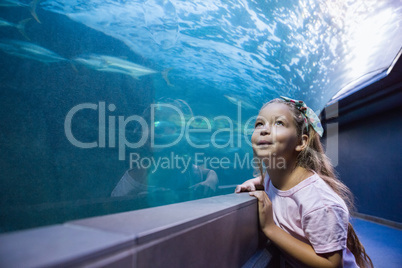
366	40
366	31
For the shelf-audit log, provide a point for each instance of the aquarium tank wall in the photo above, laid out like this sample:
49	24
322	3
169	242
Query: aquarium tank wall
111	106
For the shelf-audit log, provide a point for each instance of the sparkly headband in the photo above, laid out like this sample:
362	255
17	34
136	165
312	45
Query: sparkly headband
309	116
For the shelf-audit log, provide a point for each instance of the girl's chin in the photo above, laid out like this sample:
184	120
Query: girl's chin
263	151
264	154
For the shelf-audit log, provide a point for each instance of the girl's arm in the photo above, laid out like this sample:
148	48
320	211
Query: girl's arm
292	246
250	185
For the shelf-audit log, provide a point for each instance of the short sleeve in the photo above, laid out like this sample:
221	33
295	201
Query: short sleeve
326	228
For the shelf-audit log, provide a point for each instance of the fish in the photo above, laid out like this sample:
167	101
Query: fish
29	51
244	104
104	63
133	69
12	3
15	3
20	26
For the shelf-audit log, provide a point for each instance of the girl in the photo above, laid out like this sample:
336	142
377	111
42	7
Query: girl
304	209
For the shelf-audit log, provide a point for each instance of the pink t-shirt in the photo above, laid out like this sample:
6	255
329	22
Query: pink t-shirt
313	213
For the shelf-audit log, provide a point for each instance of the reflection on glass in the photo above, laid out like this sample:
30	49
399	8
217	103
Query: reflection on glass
168	173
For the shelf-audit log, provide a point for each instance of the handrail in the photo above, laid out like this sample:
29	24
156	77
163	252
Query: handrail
220	231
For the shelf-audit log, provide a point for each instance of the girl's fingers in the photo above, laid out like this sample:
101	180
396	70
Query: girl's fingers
244	188
262	197
238	189
251	188
258	195
261	203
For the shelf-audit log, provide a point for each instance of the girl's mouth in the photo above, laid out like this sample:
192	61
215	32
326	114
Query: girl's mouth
264	142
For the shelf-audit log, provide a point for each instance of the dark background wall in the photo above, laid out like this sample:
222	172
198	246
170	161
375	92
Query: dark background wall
370	146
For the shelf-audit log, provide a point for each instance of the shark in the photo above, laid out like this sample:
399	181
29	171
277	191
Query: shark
15	3
29	51
19	26
112	64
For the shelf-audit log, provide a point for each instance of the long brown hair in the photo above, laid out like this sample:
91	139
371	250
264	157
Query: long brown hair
314	158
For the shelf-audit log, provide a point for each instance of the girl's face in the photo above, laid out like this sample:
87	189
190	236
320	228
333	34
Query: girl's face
275	133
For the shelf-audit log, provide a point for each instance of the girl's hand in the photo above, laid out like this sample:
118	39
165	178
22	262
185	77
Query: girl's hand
246	186
250	185
264	211
292	246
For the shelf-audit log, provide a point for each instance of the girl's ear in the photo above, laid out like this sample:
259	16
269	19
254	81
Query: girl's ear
303	143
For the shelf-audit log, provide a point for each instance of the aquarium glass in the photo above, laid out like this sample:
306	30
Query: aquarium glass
109	106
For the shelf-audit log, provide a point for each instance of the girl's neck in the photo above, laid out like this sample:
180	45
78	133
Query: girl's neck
285	179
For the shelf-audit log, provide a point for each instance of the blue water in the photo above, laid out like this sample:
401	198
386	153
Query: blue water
217	62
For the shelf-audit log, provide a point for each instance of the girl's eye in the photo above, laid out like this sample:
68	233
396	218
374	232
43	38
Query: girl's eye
279	123
258	124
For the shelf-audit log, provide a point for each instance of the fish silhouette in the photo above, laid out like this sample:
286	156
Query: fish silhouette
112	64
19	26
29	51
15	3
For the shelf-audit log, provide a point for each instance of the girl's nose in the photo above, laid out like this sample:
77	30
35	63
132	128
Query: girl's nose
266	130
